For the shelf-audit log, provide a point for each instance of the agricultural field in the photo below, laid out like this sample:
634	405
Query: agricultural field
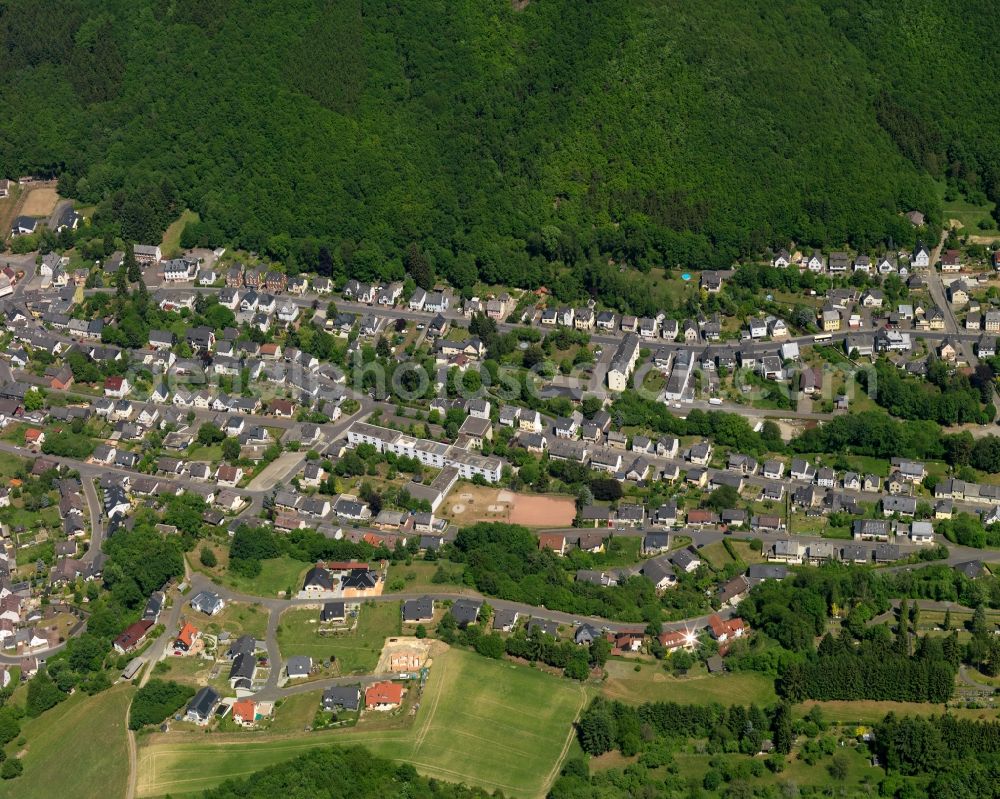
652	684
482	722
77	748
357	651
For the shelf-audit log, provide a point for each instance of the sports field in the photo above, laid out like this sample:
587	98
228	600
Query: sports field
77	748
482	722
469	504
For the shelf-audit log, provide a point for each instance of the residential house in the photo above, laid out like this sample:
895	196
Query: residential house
208	602
202	706
660	573
341	697
871	530
726	630
383	696
951	261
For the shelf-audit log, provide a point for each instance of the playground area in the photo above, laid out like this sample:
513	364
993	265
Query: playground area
469	504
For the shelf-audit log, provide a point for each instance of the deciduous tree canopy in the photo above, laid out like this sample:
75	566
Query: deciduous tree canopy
517	143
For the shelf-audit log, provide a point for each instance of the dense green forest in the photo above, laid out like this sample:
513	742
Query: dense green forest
523	143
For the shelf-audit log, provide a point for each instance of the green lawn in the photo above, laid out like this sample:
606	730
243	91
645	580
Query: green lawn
187	670
211	453
716	556
482	722
969	214
929	619
797	772
171	244
869	712
44	551
15	433
296	712
746	553
621	550
237	618
77	748
418	576
358	651
863	464
802	524
654	381
653	684
17	516
10	464
276	574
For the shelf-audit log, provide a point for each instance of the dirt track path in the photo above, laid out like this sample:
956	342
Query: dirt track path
557	766
133	758
432	710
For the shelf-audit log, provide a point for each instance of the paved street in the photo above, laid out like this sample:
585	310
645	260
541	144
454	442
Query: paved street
96	511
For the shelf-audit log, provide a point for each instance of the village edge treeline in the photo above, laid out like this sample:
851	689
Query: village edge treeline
525	146
940	756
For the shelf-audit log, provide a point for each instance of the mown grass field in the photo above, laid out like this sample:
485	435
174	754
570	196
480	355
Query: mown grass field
715	555
482	722
237	618
276	574
797	772
205	452
419	576
358	651
171	244
77	748
652	684
10	464
968	213
869	712
747	554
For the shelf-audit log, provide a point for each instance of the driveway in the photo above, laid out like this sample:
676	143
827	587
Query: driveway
278	471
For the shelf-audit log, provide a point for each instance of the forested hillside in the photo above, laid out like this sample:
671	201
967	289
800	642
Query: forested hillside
508	144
